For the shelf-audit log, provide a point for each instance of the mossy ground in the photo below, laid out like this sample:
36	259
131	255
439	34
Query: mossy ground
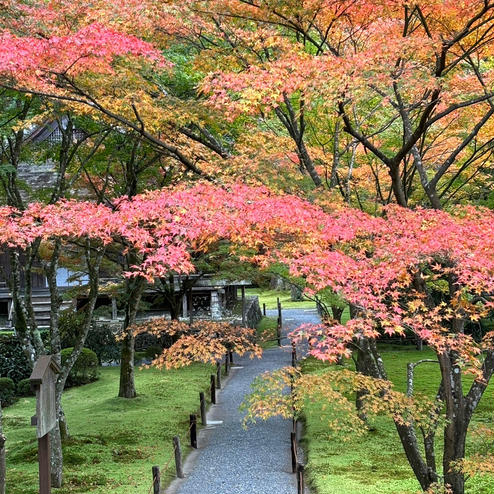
266	332
269	298
374	463
114	441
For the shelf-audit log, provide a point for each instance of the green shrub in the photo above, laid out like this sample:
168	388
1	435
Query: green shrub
139	357
85	368
153	351
101	339
7	391
70	327
13	360
24	388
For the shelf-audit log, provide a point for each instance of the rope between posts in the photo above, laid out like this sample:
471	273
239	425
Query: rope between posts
167	464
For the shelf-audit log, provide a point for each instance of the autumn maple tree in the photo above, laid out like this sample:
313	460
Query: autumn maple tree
398	87
406	273
106	60
163	228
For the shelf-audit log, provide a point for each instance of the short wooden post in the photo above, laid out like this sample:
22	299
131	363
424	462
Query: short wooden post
218	375
44	464
294	355
293	445
213	389
202	402
230	356
178	457
243	305
156	480
280	323
300	478
263	309
42	381
227	362
193	430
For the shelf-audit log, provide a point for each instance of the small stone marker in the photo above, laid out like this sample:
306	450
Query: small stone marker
43	379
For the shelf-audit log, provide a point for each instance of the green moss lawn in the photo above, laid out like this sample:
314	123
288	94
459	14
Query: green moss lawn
114	441
374	463
266	332
269	297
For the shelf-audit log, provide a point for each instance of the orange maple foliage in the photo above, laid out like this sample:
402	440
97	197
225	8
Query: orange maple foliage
202	341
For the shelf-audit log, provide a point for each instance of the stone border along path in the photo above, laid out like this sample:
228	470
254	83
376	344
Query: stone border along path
234	460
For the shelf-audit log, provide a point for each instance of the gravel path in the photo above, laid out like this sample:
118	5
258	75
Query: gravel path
232	460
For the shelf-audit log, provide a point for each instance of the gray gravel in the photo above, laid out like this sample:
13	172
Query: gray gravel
232	460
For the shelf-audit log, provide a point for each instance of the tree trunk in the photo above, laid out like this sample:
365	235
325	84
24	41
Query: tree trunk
3	469
337	313
455	430
60	432
409	441
134	288
397	186
56	453
21	317
175	300
370	363
365	364
56	457
127	384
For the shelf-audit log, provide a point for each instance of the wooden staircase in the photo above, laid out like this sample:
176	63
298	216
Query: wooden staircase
41	307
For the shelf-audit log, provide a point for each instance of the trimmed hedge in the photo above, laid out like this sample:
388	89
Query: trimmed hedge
101	337
85	368
102	340
24	388
7	391
13	361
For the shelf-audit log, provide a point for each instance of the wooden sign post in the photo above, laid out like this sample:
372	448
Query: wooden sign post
43	379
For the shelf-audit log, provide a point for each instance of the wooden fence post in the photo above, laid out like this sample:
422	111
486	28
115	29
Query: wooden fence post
294	355
156	480
193	430
280	323
178	457
264	309
243	306
218	375
293	445
202	401
300	478
213	389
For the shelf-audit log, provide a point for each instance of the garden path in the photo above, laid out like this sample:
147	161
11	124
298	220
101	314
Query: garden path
234	460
